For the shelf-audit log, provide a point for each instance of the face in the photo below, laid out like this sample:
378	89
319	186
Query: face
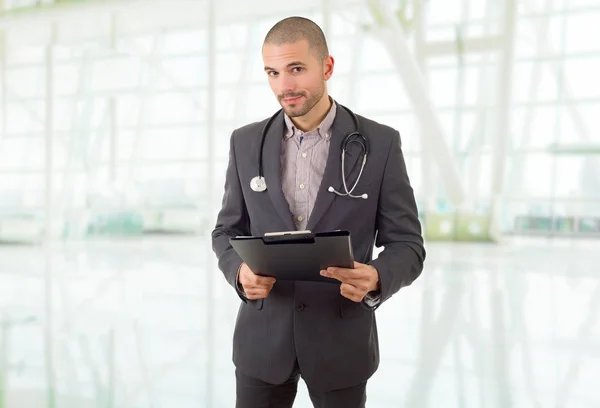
296	76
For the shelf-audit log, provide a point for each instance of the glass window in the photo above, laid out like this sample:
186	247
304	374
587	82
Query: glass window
537	179
583	32
579	122
24	117
24	54
442	86
115	74
26	82
539	36
163	143
444	12
535	81
578	73
169	73
183	42
163	108
534	127
381	92
375	57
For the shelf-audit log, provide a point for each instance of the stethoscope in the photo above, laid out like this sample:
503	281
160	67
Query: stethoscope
259	184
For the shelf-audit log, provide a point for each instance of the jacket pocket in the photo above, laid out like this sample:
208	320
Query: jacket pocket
352	310
255	303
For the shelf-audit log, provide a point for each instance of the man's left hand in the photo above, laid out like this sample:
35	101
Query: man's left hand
356	282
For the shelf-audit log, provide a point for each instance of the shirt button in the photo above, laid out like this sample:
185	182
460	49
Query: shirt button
300	306
300	218
304	155
301	186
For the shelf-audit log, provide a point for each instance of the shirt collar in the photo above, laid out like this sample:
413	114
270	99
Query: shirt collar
323	128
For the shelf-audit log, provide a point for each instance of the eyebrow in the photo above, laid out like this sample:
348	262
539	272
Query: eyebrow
291	64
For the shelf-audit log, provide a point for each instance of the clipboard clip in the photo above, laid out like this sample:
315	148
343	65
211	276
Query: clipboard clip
289	237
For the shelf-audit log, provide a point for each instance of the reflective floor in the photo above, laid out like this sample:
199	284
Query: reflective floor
148	324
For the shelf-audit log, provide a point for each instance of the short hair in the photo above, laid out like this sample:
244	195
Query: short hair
293	29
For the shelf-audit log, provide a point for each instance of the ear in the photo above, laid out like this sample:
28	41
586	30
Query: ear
328	64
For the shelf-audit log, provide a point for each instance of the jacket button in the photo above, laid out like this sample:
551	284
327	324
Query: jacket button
300	307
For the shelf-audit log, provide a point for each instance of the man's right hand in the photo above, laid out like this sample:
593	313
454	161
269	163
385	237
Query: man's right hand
255	286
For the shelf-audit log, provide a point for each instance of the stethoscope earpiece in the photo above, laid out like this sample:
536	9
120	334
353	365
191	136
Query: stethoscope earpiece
258	183
333	190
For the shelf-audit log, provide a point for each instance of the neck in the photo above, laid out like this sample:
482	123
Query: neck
315	116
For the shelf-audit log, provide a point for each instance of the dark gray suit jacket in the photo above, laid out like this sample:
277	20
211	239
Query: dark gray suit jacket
333	338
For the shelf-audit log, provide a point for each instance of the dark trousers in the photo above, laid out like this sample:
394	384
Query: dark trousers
254	393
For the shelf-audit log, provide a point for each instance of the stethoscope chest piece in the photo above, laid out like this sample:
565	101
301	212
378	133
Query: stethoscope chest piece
258	184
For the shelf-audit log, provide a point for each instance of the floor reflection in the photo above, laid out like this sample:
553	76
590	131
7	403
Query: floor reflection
149	324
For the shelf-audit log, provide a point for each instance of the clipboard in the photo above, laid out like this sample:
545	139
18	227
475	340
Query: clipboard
295	255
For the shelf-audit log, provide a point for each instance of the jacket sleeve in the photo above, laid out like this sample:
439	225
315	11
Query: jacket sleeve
232	220
398	227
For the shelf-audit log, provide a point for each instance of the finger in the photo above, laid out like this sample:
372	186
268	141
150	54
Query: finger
357	282
331	275
342	274
258	281
257	293
251	287
350	289
263	280
263	284
361	285
350	292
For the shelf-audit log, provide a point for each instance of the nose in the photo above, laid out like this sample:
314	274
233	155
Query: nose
287	83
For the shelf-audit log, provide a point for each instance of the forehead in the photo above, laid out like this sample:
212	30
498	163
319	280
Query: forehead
281	54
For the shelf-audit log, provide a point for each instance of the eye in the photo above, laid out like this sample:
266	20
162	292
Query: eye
297	69
272	73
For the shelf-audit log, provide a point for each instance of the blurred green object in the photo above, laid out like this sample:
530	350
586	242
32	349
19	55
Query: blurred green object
533	224
567	225
122	223
575	148
467	227
473	227
589	225
564	224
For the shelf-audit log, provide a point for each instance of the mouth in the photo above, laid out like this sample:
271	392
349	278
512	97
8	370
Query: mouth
291	100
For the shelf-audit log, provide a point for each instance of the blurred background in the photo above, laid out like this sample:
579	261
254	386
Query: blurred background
115	122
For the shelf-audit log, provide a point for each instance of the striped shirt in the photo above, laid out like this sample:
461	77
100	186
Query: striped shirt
303	160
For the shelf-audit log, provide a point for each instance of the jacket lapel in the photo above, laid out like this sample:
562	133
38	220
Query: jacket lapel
272	170
342	126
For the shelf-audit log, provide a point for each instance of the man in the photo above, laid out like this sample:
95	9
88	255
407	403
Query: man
325	333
